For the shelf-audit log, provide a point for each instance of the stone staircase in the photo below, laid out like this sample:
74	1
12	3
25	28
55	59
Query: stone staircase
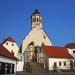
37	68
58	70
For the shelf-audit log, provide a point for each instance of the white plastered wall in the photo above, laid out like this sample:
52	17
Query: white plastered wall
37	36
20	65
71	52
9	47
57	60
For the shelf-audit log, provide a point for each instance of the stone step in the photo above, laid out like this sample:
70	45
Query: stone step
37	68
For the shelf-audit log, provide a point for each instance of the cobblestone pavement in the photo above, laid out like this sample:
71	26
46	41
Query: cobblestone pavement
55	73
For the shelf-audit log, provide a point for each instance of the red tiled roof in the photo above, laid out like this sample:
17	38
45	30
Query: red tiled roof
70	45
4	52
9	39
56	52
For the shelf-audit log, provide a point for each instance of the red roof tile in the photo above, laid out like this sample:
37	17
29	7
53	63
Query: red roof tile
4	52
70	45
56	52
9	39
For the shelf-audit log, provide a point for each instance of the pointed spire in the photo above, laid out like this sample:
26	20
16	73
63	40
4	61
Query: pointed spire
36	12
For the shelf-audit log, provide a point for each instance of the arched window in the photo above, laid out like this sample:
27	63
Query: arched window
37	20
34	19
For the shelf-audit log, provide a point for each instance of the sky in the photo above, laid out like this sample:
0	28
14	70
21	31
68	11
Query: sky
58	19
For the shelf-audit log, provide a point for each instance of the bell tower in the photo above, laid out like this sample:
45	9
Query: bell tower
36	20
37	34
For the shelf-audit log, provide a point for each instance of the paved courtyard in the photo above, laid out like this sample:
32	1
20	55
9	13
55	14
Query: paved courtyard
54	73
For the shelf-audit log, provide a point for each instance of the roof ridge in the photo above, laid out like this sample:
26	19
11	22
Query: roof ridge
59	52
4	52
8	39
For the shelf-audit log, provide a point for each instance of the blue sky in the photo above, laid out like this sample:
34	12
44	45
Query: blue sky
58	19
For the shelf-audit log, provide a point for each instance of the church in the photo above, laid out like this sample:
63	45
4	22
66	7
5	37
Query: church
37	34
37	49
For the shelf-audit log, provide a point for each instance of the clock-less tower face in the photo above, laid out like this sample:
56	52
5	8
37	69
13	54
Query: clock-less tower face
36	25
36	20
37	34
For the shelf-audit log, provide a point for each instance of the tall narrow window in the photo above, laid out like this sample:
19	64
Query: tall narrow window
5	68
55	65
37	20
12	68
8	68
34	19
59	63
64	63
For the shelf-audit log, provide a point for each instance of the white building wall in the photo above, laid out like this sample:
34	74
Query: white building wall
40	57
21	56
38	36
57	60
71	52
20	65
45	61
15	48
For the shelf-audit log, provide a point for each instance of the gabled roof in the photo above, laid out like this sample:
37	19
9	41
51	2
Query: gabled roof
8	39
36	12
56	52
4	52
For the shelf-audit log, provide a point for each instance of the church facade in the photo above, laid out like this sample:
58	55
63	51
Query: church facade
35	38
37	34
37	47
